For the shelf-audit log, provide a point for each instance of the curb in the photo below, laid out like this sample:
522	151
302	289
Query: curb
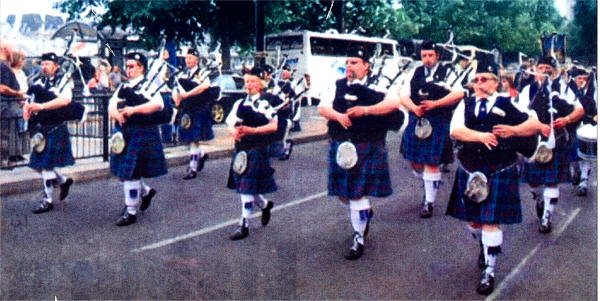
100	170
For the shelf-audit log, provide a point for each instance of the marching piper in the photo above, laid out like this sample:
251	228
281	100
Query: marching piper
557	112
486	186
358	164
251	122
136	147
53	92
430	101
195	126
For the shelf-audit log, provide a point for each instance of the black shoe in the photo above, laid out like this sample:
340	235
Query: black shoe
147	199
356	250
481	259
64	188
201	162
126	219
266	213
239	233
539	208
371	213
545	226
426	211
486	285
576	179
43	207
190	175
581	190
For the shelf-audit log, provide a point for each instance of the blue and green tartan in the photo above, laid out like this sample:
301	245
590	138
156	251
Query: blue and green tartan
143	155
552	173
503	205
425	151
258	178
370	176
201	129
58	150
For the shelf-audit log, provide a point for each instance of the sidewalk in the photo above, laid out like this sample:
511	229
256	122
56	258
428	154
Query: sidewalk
25	179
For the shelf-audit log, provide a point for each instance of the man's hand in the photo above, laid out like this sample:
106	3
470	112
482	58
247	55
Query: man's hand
545	130
176	98
560	123
118	116
419	111
357	111
488	139
344	120
128	111
239	132
428	105
504	131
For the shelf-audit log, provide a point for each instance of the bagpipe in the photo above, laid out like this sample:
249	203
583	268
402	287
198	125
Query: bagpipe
548	105
72	111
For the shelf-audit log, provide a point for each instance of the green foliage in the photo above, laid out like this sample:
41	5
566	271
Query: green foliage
582	43
511	25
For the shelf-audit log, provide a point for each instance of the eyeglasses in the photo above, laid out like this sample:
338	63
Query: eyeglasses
130	66
482	80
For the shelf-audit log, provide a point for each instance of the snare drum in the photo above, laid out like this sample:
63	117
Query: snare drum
587	142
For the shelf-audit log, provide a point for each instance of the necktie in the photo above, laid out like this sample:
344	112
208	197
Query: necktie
427	72
482	109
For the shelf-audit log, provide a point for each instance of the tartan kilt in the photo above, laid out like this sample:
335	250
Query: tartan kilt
572	155
370	176
58	150
258	178
201	129
143	155
554	172
426	151
503	205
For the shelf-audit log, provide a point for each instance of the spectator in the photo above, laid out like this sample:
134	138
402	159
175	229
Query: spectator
20	137
99	83
10	104
115	77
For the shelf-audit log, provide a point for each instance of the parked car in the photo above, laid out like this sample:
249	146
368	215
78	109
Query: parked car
232	89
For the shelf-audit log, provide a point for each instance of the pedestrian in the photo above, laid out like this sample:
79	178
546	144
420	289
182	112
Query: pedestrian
11	99
53	91
365	135
251	122
20	136
485	126
142	156
546	89
195	123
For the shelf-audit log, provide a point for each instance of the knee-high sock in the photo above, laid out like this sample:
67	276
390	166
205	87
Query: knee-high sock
359	216
260	201
48	178
431	183
247	201
492	241
550	199
585	169
132	195
60	178
145	188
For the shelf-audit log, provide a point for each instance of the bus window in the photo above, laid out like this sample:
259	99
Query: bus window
284	43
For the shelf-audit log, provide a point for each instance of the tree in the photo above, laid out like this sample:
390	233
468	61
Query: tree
582	43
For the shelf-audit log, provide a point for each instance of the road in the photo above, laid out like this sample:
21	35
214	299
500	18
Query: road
179	248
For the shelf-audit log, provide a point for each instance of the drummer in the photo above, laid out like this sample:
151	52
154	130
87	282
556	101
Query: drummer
586	94
537	96
370	174
485	126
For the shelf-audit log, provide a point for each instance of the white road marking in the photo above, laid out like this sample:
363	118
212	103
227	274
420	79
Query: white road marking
518	268
230	222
